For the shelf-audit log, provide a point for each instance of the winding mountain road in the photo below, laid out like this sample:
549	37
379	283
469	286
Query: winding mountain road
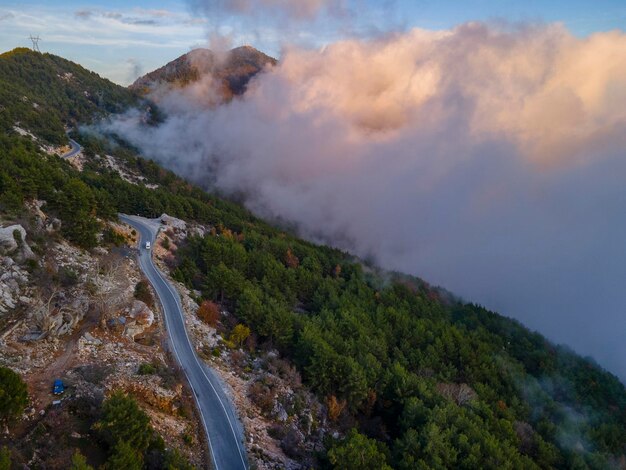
76	147
222	427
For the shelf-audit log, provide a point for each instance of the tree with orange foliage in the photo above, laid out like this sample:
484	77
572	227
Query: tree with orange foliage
337	271
291	260
335	407
209	312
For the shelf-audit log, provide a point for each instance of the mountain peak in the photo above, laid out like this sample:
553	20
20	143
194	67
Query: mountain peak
234	69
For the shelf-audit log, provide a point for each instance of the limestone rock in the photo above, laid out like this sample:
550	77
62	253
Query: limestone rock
141	313
141	318
13	285
173	222
7	237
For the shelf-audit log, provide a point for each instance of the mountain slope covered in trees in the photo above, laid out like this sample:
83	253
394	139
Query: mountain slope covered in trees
43	93
413	376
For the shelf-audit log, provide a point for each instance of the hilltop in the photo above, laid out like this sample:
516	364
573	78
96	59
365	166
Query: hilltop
333	363
44	93
233	69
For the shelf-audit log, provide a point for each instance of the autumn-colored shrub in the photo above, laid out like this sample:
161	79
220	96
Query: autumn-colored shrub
209	313
239	334
335	407
291	260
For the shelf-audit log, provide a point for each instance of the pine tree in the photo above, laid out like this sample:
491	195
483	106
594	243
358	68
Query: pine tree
122	419
124	457
5	458
13	394
357	452
79	462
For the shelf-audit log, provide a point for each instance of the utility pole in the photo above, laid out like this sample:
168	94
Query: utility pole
35	40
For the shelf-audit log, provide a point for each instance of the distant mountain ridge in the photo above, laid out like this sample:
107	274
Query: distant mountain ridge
234	70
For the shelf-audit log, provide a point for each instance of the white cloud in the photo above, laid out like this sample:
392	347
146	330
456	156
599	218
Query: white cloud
489	161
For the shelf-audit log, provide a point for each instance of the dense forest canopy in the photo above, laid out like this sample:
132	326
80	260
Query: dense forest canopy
415	377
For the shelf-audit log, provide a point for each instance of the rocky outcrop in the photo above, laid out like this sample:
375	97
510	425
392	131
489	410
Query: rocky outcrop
13	281
9	238
141	318
52	321
13	241
147	391
179	229
173	222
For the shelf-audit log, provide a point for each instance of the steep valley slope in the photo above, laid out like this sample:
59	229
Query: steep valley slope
333	363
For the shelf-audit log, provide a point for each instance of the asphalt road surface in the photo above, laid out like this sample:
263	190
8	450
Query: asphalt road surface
222	427
75	149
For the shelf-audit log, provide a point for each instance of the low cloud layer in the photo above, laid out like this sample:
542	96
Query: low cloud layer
488	160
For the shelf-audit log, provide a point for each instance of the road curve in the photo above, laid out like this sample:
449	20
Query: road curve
222	427
76	147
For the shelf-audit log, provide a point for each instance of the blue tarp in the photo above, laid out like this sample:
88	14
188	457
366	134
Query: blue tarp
58	387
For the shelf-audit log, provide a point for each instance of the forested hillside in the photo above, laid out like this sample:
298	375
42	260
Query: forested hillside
44	92
438	383
412	376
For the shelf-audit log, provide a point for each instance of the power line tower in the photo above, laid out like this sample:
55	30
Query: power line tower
35	40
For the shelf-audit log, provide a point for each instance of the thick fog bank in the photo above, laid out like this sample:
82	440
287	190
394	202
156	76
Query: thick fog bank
489	161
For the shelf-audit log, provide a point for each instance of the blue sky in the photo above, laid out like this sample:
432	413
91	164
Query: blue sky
121	39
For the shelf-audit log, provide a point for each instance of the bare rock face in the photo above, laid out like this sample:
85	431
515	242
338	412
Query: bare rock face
13	239
13	282
8	239
173	222
57	321
141	318
34	207
178	229
141	313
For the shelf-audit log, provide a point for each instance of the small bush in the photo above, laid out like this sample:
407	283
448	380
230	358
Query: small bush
79	462
263	393
17	236
277	431
143	293
209	313
5	458
187	438
31	265
146	369
67	277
